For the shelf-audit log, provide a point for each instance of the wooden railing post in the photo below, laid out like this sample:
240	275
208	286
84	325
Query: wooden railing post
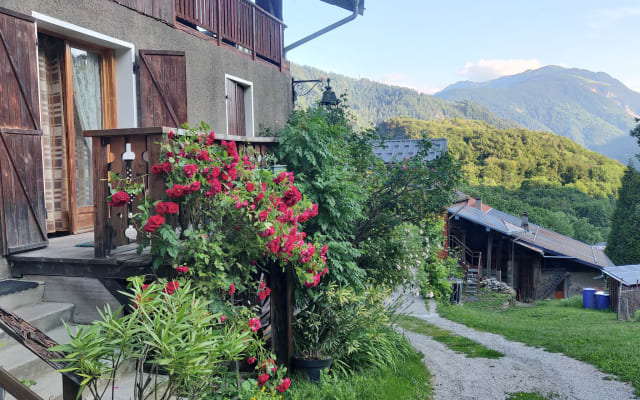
282	303
101	234
253	33
219	21
15	388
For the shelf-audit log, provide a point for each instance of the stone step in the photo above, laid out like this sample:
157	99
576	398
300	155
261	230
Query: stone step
21	298
44	316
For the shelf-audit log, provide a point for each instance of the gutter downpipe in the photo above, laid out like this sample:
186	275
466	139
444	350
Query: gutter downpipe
324	30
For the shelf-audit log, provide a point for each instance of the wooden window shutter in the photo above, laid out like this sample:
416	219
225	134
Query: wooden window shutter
163	88
236	123
22	208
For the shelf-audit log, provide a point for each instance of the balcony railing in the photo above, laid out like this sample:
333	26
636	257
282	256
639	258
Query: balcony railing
236	22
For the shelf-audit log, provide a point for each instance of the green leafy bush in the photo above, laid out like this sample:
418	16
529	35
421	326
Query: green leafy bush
351	326
176	346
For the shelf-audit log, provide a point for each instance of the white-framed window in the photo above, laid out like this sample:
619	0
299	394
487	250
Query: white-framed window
239	99
124	54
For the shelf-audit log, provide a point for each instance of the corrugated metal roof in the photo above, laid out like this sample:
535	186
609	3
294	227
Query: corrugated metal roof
404	149
537	236
627	274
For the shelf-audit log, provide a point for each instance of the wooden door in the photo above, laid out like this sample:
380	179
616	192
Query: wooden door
163	88
236	119
89	105
22	209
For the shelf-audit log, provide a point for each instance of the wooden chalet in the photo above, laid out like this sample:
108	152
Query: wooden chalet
537	262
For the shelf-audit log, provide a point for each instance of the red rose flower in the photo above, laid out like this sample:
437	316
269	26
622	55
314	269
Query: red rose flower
176	192
250	186
157	169
254	324
153	223
251	360
119	199
171	287
264	294
223	318
262	379
171	134
292	196
232	289
194	186
167	207
284	385
167	166
190	170
183	269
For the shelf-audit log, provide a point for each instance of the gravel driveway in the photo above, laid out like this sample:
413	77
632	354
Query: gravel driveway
522	369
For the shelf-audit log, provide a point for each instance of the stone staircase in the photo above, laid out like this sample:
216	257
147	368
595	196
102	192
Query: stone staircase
470	261
27	303
48	317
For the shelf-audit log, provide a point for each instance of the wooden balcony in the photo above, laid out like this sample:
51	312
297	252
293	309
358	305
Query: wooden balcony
238	23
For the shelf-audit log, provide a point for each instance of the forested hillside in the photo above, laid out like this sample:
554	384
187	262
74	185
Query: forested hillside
591	108
562	185
374	102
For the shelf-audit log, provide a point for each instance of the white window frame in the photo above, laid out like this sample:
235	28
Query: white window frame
248	104
124	54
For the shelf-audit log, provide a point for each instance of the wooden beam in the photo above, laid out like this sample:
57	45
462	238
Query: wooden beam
16	388
282	303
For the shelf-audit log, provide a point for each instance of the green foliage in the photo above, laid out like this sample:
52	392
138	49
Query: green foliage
592	109
561	185
318	145
350	326
511	157
459	344
623	246
374	102
407	379
187	349
587	335
362	202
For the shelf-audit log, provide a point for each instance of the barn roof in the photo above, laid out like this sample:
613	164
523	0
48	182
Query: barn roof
401	149
536	237
627	274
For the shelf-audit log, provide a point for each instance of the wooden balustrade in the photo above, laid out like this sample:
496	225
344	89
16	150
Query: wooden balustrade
237	22
108	149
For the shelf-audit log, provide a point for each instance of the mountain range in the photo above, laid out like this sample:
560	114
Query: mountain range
590	108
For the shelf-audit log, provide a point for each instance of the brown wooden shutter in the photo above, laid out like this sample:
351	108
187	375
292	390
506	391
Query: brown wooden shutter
22	208
163	88
236	123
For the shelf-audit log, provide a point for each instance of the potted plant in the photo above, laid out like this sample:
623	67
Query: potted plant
315	331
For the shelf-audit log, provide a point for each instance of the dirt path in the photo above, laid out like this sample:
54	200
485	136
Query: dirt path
522	369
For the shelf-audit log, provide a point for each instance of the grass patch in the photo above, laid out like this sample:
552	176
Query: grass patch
410	380
595	337
456	343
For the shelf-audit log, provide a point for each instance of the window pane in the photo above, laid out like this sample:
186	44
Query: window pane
87	113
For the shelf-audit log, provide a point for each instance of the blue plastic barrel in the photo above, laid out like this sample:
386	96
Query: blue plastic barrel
589	298
602	301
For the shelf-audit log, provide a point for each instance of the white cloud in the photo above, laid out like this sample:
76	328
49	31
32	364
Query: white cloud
485	70
403	80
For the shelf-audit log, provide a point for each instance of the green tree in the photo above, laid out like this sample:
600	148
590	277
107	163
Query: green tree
623	246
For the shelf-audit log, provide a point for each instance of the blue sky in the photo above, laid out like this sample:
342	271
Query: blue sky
428	44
